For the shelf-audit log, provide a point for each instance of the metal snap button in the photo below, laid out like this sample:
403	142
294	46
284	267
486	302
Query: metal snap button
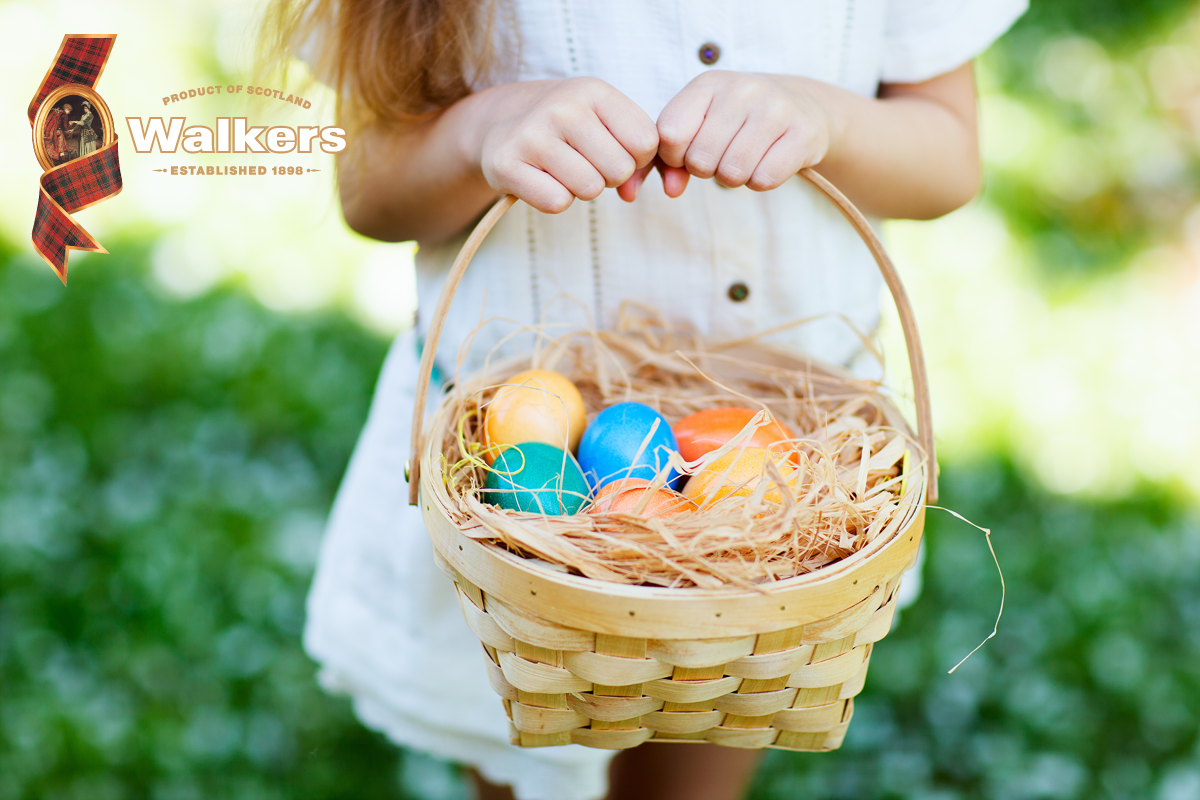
739	292
709	53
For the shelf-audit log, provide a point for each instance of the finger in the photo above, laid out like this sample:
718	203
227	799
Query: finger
628	191
674	180
567	166
747	149
680	120
711	141
596	143
628	123
539	189
782	160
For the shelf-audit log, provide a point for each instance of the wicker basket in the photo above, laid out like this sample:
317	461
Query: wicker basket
606	665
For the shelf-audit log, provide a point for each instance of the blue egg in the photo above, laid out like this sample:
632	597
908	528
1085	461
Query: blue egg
536	478
610	445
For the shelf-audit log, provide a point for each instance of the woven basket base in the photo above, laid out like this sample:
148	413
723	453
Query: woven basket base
791	689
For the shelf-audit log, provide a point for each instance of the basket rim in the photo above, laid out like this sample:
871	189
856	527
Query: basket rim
479	561
581	603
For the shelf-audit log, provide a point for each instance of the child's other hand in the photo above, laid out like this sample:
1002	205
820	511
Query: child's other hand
551	141
742	129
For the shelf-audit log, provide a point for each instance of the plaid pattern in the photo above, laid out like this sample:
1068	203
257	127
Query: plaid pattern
80	60
75	185
79	183
85	181
54	231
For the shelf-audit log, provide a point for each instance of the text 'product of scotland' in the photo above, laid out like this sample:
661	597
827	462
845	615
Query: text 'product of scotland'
627	440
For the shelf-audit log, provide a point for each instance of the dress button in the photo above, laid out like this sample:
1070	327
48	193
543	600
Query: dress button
709	53
739	292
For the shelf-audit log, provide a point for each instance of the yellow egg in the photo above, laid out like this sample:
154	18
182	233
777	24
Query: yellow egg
738	473
535	406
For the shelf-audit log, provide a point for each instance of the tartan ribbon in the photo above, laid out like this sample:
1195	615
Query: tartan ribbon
83	181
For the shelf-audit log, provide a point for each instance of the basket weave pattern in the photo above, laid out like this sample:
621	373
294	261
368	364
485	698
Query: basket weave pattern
791	689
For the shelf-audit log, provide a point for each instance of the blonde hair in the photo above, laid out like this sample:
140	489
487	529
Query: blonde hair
395	61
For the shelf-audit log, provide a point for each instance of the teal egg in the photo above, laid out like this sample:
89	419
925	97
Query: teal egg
537	478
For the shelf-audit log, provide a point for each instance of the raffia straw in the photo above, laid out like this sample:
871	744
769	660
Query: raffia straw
844	494
987	534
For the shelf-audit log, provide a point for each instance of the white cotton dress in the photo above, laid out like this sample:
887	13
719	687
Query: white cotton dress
383	621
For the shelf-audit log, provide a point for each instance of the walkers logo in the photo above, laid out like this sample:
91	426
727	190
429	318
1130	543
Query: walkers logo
74	141
233	135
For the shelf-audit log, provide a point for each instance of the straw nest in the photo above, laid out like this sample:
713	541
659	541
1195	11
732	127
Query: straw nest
858	475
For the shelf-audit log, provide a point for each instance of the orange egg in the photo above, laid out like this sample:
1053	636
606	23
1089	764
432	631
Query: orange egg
535	406
623	496
737	473
707	430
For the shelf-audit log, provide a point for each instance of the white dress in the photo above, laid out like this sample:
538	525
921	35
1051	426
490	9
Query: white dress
383	622
87	136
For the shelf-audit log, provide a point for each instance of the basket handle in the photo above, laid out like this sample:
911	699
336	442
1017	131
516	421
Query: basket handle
908	322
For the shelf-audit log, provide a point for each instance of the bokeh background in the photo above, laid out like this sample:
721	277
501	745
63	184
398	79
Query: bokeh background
174	425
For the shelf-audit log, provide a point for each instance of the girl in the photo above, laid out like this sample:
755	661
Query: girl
452	102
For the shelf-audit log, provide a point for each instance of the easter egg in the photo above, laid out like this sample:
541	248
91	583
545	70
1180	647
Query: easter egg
537	405
737	473
628	494
711	428
537	478
616	446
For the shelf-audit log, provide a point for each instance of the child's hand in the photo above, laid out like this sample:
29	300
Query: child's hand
551	141
743	129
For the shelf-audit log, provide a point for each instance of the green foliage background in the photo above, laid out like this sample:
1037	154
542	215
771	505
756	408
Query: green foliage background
165	468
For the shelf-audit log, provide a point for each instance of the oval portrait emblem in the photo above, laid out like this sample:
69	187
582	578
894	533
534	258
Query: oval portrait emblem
72	122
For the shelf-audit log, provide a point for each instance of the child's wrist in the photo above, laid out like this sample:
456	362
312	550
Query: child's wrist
831	101
471	130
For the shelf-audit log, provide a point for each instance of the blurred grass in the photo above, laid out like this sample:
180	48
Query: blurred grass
166	467
1090	690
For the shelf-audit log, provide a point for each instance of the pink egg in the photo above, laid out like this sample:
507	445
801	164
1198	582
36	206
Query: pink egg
624	497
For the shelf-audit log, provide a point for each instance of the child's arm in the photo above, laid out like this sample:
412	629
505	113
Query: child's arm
547	142
912	153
